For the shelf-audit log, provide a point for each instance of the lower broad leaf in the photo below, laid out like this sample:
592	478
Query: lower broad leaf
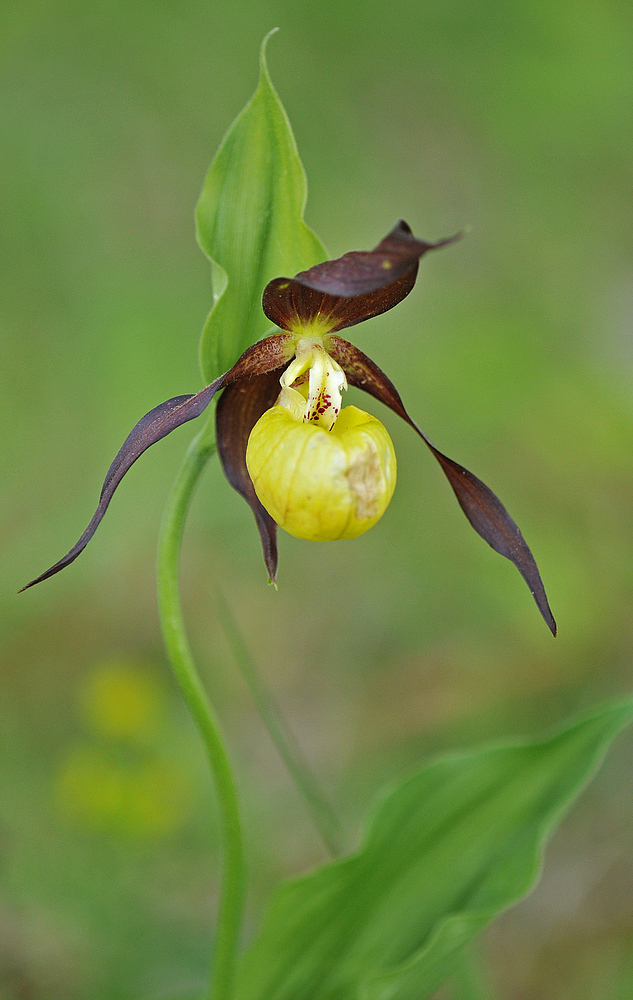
446	852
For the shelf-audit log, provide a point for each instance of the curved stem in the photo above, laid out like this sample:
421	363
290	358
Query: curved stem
231	902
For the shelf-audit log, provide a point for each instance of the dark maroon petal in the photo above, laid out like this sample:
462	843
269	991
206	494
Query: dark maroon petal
264	356
151	428
292	305
363	271
364	374
239	408
162	420
355	287
483	509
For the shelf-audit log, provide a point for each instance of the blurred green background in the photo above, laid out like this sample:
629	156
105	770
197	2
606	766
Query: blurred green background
514	353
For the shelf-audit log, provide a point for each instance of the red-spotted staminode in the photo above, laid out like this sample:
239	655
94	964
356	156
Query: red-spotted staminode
300	460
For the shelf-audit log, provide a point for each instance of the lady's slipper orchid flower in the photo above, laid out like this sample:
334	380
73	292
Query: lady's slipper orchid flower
297	458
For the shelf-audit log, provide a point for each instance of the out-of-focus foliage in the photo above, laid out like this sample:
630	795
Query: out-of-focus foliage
514	354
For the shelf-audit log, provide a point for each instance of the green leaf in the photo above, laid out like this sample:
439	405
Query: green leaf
470	982
448	850
249	222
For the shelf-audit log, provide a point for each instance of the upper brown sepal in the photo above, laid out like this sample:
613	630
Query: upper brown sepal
355	287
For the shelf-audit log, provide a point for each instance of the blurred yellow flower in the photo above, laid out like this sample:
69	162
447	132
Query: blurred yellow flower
120	700
115	781
142	801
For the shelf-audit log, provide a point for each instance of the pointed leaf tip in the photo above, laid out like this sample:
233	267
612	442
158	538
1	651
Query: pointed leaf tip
264	46
249	222
448	850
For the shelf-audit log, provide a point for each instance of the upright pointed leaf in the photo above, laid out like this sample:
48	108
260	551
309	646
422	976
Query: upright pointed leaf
447	851
250	224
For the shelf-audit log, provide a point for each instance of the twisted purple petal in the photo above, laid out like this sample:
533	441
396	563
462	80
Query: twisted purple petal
484	510
162	420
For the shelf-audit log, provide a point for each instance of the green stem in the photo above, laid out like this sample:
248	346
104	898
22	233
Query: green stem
323	816
232	892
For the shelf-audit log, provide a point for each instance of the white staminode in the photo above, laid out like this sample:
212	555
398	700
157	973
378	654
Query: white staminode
325	386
